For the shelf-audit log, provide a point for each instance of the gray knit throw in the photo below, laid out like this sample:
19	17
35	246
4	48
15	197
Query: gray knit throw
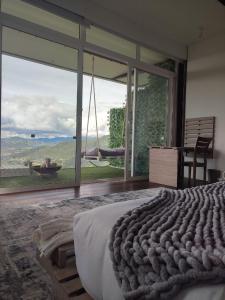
175	240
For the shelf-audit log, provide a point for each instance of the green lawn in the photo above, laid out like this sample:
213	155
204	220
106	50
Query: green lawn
64	177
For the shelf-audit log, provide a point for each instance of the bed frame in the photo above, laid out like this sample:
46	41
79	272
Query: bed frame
61	267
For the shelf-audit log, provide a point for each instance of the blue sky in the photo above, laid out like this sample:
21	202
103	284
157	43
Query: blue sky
42	99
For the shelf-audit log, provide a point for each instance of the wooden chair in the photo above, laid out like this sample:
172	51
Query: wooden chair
200	151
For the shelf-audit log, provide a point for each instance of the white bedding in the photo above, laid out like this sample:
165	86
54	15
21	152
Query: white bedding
91	236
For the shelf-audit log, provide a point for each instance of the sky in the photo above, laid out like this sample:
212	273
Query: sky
40	99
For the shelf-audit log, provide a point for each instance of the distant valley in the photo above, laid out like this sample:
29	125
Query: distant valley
16	150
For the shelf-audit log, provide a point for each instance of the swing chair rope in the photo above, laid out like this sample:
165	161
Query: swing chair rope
89	108
96	119
92	90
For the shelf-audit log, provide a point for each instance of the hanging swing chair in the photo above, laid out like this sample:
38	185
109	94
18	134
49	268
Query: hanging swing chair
98	153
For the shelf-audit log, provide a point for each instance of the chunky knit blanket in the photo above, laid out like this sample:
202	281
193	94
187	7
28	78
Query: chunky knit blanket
175	240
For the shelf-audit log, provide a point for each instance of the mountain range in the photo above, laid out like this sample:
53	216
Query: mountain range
16	150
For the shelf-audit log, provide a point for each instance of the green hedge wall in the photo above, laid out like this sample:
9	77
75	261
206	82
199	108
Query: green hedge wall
150	120
116	127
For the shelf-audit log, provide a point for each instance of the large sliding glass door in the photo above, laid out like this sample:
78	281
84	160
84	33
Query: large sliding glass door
38	112
103	119
151	108
47	65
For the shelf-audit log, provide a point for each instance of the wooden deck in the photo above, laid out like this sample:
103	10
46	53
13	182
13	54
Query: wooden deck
85	190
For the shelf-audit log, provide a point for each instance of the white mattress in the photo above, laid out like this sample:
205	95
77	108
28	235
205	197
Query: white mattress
91	237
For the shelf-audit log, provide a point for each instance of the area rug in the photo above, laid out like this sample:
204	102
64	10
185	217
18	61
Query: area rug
21	277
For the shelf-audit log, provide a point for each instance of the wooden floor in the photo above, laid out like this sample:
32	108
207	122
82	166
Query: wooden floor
94	189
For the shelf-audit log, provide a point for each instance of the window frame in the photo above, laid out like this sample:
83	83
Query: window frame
83	46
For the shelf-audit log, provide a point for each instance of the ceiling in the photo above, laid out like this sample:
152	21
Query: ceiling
184	21
104	68
111	70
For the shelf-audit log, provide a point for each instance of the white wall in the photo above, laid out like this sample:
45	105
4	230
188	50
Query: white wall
206	90
107	19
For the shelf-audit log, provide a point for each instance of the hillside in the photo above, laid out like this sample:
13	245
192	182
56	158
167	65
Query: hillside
15	151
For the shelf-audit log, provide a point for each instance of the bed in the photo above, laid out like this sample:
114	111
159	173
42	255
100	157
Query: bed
91	236
91	275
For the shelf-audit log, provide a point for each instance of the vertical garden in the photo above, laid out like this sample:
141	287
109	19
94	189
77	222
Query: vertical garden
150	121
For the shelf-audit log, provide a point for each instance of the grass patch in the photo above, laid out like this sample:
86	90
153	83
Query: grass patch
64	177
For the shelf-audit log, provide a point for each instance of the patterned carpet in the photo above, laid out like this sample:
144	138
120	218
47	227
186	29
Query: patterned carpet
21	277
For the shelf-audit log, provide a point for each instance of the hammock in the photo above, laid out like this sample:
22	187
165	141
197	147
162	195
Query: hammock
115	152
98	153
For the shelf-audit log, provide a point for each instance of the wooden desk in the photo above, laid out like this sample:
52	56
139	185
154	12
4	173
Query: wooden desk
165	166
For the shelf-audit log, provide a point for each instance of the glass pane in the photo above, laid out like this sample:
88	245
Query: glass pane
150	118
25	45
110	41
38	122
103	147
155	58
39	16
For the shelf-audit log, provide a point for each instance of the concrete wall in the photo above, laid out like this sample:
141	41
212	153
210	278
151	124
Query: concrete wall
206	90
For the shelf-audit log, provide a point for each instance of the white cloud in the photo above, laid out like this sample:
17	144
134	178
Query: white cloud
42	99
38	114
